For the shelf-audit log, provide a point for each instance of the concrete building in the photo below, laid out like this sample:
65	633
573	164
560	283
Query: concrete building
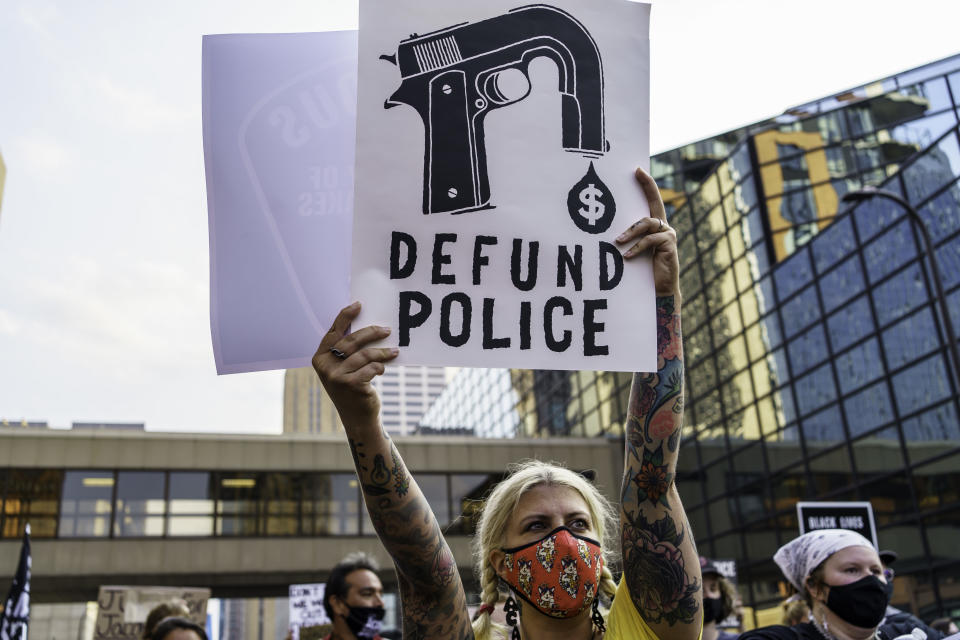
244	515
306	406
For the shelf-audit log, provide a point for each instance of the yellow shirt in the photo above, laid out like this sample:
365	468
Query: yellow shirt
624	621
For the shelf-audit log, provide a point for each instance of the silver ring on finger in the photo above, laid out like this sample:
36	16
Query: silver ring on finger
339	354
660	228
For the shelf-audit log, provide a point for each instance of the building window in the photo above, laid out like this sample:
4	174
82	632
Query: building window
140	506
190	505
237	504
85	505
32	495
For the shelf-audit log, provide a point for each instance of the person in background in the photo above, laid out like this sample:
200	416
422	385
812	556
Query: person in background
895	618
840	576
178	629
353	599
169	609
887	558
795	611
946	626
719	595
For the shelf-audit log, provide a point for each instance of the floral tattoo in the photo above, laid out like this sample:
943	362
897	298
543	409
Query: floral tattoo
656	541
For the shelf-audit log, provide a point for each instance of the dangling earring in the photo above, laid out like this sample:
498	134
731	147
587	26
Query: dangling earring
510	609
596	617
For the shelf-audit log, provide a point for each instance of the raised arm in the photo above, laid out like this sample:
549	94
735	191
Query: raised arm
660	562
434	605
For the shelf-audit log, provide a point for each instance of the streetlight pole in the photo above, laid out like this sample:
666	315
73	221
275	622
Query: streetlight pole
872	192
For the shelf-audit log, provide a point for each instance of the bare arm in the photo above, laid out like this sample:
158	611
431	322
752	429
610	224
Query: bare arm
661	566
434	604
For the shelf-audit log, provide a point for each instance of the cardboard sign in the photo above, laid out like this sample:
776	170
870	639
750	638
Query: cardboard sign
121	611
278	138
306	608
495	162
856	516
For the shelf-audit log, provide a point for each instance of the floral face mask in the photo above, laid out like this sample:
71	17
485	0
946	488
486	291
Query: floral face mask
558	574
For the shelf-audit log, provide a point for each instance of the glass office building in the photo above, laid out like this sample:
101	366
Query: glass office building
818	366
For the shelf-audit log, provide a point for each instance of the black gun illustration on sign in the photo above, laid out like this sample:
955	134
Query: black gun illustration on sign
455	76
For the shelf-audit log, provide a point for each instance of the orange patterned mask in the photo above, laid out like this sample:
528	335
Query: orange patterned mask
558	574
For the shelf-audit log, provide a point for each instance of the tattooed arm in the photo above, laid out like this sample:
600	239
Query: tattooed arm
660	562
434	605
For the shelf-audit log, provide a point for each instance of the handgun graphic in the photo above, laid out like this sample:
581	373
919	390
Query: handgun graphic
455	76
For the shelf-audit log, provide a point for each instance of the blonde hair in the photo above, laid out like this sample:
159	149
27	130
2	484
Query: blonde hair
500	507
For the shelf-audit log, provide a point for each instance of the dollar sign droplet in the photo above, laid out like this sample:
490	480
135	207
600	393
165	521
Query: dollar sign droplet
591	197
591	204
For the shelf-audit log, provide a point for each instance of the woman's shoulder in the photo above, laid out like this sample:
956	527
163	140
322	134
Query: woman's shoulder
802	631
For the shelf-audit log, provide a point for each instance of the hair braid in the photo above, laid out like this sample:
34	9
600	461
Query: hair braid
608	587
483	626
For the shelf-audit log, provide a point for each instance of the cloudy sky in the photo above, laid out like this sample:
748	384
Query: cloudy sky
103	224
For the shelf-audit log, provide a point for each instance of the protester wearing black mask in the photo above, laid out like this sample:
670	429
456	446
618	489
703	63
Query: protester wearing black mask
839	574
719	594
353	599
897	621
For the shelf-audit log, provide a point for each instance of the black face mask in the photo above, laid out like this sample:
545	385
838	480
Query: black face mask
365	622
862	603
712	610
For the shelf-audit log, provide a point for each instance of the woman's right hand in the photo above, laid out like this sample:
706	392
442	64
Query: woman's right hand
346	365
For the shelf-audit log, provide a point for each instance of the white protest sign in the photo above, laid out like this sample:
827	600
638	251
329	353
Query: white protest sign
306	607
121	610
278	134
495	167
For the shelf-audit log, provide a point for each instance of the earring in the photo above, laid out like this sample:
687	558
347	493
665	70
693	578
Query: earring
510	609
596	617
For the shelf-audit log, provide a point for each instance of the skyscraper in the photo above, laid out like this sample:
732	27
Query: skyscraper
306	406
405	394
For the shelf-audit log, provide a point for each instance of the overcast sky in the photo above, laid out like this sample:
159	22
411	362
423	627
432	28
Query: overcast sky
103	225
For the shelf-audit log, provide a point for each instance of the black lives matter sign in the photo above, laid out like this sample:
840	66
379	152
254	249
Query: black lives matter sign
855	516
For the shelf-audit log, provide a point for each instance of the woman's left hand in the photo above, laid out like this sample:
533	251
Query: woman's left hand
654	233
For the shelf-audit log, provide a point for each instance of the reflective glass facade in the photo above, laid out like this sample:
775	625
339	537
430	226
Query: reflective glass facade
817	365
824	375
806	159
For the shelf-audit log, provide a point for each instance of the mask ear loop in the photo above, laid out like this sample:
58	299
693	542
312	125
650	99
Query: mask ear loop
511	609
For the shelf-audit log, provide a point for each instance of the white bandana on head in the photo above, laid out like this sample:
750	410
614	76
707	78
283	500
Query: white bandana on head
799	557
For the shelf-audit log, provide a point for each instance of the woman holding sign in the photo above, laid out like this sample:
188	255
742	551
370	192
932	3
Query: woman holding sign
545	532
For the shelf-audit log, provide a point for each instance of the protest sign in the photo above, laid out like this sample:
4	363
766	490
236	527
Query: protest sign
278	134
121	611
856	516
495	167
727	568
306	608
